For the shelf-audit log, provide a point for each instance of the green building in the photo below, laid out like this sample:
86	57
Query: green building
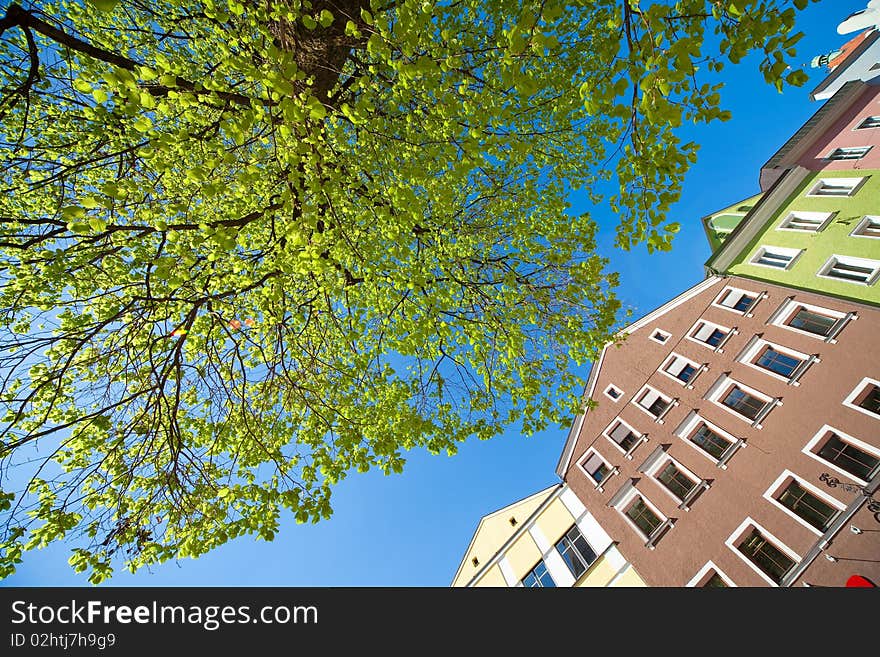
816	224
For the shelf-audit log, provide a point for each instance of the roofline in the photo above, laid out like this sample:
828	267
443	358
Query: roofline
519	532
705	219
854	54
755	219
489	515
565	459
817	124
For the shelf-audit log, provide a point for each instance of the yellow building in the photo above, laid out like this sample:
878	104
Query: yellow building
546	539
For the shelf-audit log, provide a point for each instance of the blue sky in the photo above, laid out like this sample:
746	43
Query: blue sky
412	529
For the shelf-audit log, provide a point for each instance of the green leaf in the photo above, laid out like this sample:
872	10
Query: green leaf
104	5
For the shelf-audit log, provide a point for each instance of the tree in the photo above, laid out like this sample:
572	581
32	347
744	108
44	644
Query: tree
251	246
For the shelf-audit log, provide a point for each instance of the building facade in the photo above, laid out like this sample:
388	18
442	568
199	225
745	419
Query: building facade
816	225
548	539
735	439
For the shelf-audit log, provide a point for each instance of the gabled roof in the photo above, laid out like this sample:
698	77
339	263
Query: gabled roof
855	62
573	433
522	509
817	125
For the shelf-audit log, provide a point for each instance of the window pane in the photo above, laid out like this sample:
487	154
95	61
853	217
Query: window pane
643	517
807	506
743	403
687	373
715	581
775	361
871	400
678	483
710	441
538	577
576	552
658	406
770	559
847	457
812	322
715	338
744	303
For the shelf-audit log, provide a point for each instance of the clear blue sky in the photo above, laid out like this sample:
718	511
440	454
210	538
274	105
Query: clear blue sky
412	529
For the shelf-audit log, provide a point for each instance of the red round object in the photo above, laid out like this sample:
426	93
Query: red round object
858	581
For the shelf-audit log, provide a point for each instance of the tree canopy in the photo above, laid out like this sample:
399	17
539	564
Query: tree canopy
248	247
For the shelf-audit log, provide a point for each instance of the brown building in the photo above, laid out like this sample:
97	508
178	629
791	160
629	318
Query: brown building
736	439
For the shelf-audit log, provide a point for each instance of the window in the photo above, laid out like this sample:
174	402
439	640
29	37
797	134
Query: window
807	222
709	334
849	153
777	361
852	270
814	321
865	398
539	576
715	581
764	554
640	514
681	369
623	435
643	517
710	576
660	336
740	301
743	403
710	441
653	402
869	122
676	481
596	468
806	505
613	392
774	256
741	400
836	187
849	456
868	227
576	552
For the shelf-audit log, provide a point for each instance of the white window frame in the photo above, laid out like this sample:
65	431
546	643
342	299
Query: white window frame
789	306
854	183
763	250
693	329
613	470
776	488
853	261
686	428
730	289
756	346
656	467
666	335
739	533
814	441
702	572
868	218
851	397
607	433
624	502
610	396
673	356
795	215
645	388
858	151
868	119
725	384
